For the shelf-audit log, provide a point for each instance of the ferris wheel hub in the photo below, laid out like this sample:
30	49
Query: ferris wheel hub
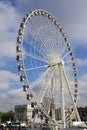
54	59
62	62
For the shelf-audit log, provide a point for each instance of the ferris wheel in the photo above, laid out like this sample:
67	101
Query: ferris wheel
47	66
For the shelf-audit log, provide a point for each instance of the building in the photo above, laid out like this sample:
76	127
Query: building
23	113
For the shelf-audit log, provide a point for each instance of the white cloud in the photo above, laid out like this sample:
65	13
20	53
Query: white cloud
6	77
2	96
83	77
81	62
16	96
74	19
8	31
82	100
12	98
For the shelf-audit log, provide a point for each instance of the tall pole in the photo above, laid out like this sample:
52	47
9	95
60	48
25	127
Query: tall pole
52	96
62	98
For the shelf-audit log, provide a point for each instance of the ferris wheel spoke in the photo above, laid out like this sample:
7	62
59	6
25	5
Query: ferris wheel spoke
67	61
34	56
41	36
42	92
59	43
39	42
43	47
45	86
45	44
63	52
39	67
66	55
37	49
39	79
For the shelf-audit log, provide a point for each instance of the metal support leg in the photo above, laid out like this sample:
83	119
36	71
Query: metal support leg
74	104
62	99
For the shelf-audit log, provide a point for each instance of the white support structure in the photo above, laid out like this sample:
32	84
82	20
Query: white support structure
74	104
42	92
42	49
52	96
62	98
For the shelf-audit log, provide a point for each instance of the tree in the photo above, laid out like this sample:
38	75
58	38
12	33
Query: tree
1	115
7	116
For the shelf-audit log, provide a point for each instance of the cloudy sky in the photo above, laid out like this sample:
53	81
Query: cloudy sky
72	14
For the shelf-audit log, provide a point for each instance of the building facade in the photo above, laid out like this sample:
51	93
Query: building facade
23	113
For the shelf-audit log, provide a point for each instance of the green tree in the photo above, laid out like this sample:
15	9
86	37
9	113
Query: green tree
7	116
1	114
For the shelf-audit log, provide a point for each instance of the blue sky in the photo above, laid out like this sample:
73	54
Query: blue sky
72	14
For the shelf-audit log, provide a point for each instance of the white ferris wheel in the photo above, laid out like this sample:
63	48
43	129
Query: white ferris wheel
47	66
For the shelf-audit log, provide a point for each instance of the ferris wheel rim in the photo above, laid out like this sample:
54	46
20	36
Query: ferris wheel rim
58	26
